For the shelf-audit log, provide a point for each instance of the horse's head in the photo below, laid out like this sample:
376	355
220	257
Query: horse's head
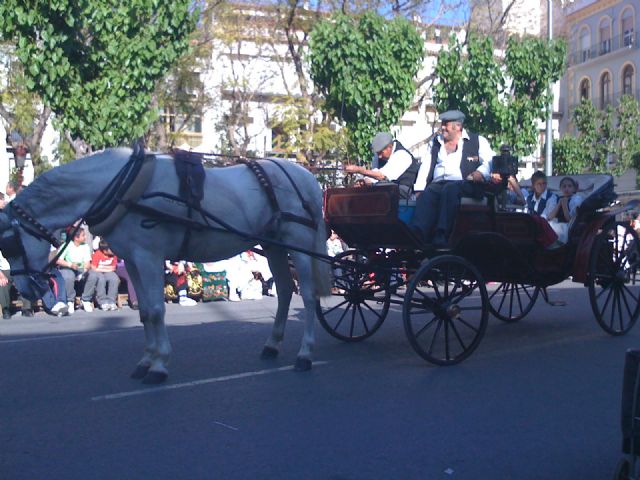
27	253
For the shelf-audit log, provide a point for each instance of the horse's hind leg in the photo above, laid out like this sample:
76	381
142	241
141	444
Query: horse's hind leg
279	265
307	291
151	303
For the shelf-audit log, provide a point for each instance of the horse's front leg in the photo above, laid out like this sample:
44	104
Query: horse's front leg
153	367
307	291
279	265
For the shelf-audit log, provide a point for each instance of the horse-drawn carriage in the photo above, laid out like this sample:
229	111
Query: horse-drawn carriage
493	264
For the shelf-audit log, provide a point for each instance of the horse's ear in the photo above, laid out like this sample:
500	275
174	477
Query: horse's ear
4	221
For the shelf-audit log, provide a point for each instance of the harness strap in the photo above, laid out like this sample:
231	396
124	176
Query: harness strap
265	182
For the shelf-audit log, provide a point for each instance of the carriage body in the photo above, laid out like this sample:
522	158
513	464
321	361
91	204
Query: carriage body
490	244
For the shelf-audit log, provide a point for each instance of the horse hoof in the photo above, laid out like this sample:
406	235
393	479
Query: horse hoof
140	372
154	378
302	364
269	352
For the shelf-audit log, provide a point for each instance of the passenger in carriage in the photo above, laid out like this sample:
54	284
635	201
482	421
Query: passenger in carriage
565	209
392	163
456	155
540	201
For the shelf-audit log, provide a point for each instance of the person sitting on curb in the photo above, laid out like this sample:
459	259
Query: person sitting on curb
102	279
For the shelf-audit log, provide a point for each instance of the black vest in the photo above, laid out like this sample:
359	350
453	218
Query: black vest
408	178
470	148
541	205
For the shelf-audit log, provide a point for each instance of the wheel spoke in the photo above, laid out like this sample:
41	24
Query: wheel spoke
372	310
465	323
426	327
626	304
353	320
346	310
446	339
435	334
631	293
364	322
455	331
336	307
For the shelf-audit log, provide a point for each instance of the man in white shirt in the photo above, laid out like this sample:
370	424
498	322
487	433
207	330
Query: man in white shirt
392	163
456	155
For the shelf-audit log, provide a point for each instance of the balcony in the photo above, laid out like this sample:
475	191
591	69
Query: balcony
601	104
625	41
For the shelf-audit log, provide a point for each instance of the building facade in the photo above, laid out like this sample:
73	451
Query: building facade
603	55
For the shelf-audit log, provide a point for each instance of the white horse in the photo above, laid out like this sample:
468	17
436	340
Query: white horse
233	195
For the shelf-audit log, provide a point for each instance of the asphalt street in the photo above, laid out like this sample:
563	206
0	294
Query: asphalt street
539	399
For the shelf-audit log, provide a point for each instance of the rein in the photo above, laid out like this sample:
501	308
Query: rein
101	207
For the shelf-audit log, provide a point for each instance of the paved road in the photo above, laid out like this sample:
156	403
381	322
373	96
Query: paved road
539	399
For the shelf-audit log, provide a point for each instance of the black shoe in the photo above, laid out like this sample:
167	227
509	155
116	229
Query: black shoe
440	240
134	306
6	314
27	313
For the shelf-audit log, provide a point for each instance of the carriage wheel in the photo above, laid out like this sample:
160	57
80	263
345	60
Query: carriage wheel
614	290
360	299
511	302
445	310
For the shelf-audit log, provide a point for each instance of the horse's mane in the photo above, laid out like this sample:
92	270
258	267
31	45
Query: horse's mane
43	189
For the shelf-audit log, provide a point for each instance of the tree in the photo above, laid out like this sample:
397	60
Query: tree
607	140
21	111
502	101
364	68
96	63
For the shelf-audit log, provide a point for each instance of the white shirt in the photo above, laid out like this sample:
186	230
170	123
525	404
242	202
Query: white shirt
551	203
4	264
448	164
398	162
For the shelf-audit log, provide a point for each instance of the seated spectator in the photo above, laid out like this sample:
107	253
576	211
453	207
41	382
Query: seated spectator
253	289
176	283
5	284
566	208
101	280
74	262
257	263
214	280
122	273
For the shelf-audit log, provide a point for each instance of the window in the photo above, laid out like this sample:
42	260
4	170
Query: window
585	44
605	36
626	27
585	89
627	80
605	90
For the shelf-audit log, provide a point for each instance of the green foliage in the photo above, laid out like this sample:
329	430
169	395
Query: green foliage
502	100
311	142
96	63
364	67
607	140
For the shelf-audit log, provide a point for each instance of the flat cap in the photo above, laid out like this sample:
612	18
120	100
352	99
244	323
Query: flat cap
452	116
380	141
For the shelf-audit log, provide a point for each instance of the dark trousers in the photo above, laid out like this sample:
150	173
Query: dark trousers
436	208
5	295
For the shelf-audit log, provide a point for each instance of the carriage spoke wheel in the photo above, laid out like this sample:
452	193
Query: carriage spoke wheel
614	288
360	299
511	302
445	310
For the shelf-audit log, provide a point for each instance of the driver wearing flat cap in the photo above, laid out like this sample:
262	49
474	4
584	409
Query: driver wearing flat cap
392	162
458	158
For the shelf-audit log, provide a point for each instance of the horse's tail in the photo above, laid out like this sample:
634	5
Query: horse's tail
321	269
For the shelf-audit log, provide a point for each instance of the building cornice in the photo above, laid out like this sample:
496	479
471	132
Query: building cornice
592	9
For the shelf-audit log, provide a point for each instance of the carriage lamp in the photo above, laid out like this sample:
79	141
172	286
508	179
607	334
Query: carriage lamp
20	155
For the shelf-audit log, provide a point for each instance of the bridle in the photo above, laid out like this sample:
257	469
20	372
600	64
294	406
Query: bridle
12	245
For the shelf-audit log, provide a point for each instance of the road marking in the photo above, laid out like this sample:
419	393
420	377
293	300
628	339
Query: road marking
68	335
227	426
195	383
